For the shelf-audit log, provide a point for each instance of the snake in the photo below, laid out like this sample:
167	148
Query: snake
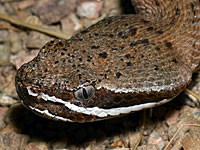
120	65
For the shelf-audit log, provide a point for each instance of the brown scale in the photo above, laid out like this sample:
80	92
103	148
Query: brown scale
153	53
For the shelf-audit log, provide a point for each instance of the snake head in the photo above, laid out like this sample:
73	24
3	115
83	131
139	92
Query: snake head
108	70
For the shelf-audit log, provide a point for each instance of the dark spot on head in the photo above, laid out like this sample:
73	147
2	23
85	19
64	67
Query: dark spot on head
158	48
95	47
60	43
127	56
87	80
177	11
159	32
118	74
73	65
142	55
64	49
84	31
89	58
126	24
49	44
43	47
121	47
157	3
62	53
105	76
55	62
120	34
156	67
168	44
149	28
80	39
145	41
133	44
111	35
124	37
96	34
174	60
128	63
80	59
172	20
84	51
103	55
133	31
194	45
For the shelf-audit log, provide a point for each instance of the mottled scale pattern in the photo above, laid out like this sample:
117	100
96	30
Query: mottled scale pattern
128	59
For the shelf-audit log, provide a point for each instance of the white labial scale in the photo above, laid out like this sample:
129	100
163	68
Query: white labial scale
46	112
30	92
99	112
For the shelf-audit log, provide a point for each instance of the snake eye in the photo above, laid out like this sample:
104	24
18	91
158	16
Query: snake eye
85	93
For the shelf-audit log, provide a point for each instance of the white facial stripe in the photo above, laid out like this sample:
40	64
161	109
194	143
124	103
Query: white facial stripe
146	89
99	112
46	112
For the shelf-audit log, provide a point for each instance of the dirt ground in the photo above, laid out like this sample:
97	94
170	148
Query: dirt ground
21	129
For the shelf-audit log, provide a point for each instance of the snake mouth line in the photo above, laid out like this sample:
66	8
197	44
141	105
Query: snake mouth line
47	113
98	112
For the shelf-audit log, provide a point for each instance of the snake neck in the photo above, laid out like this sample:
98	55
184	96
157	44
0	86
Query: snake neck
165	9
180	20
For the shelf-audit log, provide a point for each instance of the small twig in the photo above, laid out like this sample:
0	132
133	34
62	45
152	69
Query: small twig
32	27
138	142
193	94
194	125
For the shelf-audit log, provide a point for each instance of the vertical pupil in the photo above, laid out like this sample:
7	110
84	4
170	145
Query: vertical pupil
85	95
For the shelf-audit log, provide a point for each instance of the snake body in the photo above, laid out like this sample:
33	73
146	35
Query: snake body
117	66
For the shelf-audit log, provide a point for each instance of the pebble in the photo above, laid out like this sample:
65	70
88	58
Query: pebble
157	140
50	11
4	54
11	140
37	146
6	100
89	9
